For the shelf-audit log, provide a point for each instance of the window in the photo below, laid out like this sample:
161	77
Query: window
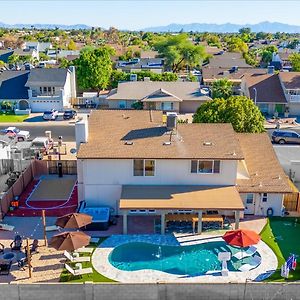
122	104
143	167
249	199
264	197
167	106
205	166
45	89
41	89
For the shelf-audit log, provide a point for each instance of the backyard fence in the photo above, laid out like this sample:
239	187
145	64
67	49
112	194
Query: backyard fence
69	167
290	201
90	291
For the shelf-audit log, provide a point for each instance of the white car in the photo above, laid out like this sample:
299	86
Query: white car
14	132
50	115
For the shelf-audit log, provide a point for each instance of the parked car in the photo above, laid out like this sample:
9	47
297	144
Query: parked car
14	132
42	144
283	137
69	114
50	115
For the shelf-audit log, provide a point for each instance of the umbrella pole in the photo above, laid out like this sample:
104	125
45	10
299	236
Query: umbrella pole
44	226
28	258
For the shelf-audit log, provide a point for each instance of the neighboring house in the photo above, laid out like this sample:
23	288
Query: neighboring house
139	166
266	91
38	89
291	87
155	65
234	75
183	97
27	52
38	46
227	60
53	53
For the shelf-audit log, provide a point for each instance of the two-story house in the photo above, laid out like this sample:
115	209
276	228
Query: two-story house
38	90
183	97
138	165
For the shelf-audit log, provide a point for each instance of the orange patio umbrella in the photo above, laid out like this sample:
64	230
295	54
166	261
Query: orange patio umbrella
241	238
74	220
69	241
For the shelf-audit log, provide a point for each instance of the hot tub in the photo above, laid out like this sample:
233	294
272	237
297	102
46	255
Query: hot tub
100	217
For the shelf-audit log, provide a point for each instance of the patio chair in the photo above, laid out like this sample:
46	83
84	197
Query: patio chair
22	263
33	247
52	228
84	250
75	257
6	227
5	267
242	254
16	245
78	272
254	263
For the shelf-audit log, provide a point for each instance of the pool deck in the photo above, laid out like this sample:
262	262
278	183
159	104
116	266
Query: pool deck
101	263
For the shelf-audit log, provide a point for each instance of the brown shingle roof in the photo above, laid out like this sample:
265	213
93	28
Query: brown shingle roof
291	80
228	60
268	86
266	174
109	130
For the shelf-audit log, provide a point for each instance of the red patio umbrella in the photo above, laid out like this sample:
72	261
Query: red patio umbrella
241	238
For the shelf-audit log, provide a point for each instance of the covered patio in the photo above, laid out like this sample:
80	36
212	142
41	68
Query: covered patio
190	201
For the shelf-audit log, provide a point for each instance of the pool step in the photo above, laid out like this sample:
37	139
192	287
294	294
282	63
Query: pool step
193	239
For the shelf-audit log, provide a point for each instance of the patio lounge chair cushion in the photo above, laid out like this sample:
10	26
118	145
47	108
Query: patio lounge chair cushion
256	261
78	272
85	250
73	258
247	253
52	228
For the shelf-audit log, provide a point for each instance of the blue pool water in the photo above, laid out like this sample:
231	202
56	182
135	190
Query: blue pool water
180	260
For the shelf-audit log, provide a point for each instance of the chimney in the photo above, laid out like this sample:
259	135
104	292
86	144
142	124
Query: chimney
82	131
171	121
270	70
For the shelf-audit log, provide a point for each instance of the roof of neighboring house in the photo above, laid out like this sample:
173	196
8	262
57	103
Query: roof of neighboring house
180	197
110	130
138	90
268	87
291	80
23	52
211	73
265	172
149	54
12	85
47	77
284	55
228	60
143	63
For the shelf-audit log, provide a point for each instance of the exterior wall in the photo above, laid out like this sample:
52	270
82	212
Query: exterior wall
294	108
114	104
104	187
189	106
67	94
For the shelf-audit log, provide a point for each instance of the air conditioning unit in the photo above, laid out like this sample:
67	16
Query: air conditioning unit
133	77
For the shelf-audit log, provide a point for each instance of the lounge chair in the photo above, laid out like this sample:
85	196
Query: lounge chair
6	227
33	247
16	245
243	254
52	228
256	261
22	263
85	250
76	258
80	271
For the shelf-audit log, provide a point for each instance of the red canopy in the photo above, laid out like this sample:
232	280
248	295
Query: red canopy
241	237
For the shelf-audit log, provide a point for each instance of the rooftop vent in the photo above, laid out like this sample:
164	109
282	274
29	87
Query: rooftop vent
207	144
171	121
129	143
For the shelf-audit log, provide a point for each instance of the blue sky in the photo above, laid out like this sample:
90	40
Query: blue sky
140	14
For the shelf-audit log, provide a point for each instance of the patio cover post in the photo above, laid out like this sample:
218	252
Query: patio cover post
162	223
125	222
237	219
199	222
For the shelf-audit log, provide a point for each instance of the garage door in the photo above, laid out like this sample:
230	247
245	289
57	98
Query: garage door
43	105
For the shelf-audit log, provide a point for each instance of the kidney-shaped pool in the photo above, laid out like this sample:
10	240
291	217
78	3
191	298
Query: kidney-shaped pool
180	260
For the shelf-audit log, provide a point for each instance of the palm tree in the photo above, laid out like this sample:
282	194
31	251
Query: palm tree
222	88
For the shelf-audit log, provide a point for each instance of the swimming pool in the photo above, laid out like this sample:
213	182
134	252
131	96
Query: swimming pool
179	260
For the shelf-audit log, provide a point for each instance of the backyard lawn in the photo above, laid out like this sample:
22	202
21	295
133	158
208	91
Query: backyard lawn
283	237
94	277
11	118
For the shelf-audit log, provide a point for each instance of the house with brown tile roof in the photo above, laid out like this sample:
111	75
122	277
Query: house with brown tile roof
227	60
183	97
135	163
266	91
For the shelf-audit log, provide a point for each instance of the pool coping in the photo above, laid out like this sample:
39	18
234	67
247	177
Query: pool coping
102	265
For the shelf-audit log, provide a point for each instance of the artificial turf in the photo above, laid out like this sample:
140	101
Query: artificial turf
94	277
282	235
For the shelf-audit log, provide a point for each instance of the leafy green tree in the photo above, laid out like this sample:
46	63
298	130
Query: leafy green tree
64	63
240	111
2	64
72	45
295	61
222	88
44	56
236	44
14	59
180	52
267	53
245	30
94	68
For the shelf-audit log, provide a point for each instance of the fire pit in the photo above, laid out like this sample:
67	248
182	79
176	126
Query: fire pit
9	256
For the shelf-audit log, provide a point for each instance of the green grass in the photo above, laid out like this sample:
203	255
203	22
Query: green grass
94	277
282	235
10	117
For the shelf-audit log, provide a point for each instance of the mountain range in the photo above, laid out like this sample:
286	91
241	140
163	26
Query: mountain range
46	26
271	27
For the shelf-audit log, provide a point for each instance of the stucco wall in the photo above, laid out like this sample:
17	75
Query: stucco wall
189	106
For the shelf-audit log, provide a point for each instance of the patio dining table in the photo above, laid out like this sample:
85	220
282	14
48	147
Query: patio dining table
208	218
